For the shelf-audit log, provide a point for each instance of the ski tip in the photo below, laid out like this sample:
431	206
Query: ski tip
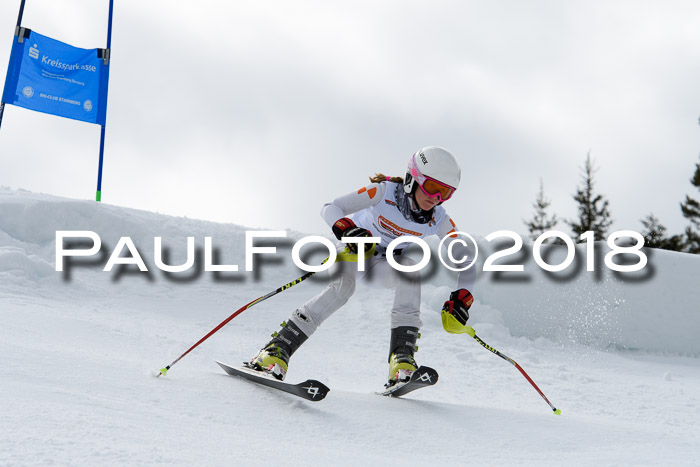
557	411
315	390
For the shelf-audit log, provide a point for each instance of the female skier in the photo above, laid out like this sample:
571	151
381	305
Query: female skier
388	208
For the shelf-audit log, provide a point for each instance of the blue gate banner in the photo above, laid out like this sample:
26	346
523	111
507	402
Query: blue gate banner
50	76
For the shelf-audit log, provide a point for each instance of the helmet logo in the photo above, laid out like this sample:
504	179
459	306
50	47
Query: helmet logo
422	157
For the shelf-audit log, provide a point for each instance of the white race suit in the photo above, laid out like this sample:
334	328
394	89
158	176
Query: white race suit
376	209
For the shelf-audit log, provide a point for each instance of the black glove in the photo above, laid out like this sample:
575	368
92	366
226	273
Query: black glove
345	227
458	305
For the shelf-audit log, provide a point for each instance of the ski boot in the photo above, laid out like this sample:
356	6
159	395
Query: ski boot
274	357
401	361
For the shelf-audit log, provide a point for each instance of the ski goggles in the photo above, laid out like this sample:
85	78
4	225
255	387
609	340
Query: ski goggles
430	186
433	188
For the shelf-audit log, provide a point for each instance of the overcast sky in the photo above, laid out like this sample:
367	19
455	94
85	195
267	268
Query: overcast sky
257	113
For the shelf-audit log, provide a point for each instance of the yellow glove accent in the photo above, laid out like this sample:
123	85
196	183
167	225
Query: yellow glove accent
452	325
347	255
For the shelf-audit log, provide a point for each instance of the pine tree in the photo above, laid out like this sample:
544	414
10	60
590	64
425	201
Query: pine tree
655	232
691	211
593	213
655	235
541	222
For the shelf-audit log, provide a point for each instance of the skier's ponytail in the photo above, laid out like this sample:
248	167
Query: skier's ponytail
380	177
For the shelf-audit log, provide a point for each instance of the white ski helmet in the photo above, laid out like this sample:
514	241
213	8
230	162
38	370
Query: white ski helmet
436	163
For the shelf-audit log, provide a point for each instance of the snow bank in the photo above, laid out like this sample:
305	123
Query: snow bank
655	310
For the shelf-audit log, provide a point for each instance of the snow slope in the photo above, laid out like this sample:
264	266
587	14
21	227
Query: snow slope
79	349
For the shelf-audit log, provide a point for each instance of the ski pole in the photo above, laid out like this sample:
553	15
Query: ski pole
470	331
345	255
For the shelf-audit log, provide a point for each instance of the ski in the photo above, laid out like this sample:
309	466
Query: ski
422	377
310	389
